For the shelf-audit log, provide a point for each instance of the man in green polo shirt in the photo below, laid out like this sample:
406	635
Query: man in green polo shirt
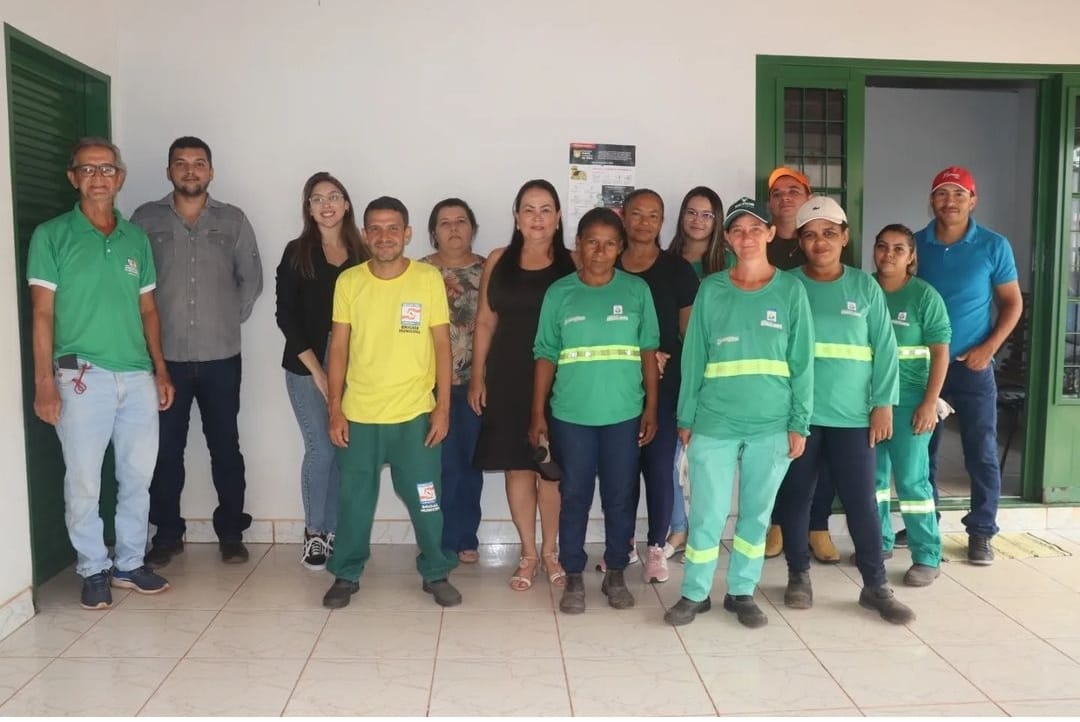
99	374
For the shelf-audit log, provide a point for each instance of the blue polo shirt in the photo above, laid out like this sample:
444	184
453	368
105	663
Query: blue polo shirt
965	273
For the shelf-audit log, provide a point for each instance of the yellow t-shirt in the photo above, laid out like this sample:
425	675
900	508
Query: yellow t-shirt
391	371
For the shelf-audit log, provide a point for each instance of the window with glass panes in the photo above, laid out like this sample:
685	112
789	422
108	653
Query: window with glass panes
814	138
1071	381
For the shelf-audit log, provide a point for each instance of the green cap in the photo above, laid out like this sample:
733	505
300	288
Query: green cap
748	205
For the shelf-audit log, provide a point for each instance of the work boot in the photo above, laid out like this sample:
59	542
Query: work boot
614	586
921	575
747	611
774	542
979	551
339	593
853	560
799	594
446	595
685	610
161	553
233	552
573	595
823	549
882	599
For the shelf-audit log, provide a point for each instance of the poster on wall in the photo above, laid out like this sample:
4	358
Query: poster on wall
601	174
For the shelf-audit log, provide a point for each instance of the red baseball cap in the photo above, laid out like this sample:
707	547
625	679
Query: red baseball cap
954	175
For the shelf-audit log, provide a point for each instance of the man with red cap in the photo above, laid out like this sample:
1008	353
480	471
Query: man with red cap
971	267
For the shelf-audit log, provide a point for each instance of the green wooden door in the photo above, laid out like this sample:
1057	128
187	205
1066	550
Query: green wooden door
52	102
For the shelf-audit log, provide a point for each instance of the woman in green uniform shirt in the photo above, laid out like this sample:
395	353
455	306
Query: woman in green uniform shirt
923	332
744	407
596	342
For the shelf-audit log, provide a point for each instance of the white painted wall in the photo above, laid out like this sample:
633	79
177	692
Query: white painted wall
991	133
88	34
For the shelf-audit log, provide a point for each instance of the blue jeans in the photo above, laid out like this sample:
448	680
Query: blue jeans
974	396
117	407
679	522
657	467
319	474
215	385
461	481
584	452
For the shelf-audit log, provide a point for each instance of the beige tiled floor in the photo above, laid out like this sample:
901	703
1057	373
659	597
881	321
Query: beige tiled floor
254	639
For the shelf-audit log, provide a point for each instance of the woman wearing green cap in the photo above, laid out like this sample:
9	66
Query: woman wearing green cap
923	332
744	407
855	389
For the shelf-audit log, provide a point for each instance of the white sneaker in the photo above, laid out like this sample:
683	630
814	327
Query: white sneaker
656	569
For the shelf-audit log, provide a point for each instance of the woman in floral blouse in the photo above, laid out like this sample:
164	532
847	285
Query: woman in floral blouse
452	226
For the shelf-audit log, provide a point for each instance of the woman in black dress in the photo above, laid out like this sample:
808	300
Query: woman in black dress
512	288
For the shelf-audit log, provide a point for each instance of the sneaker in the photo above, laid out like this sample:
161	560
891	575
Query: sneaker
95	592
799	594
614	587
330	545
979	551
340	593
853	560
656	570
446	595
921	575
822	547
678	547
233	552
573	596
685	610
142	579
161	553
314	556
746	609
774	541
901	539
890	609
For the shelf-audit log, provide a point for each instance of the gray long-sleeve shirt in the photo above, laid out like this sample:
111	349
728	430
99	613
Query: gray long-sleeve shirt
209	276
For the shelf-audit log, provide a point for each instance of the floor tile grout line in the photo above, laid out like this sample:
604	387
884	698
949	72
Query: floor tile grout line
562	651
435	662
304	666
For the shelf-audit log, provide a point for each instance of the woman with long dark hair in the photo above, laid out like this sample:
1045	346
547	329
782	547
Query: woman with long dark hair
698	237
328	244
512	288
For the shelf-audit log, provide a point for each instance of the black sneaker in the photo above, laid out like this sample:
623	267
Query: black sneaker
95	592
142	579
685	610
315	551
446	595
901	539
339	593
799	594
161	553
747	611
979	551
233	552
890	609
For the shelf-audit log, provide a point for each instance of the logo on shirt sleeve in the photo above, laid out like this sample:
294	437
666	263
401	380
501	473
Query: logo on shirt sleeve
770	319
131	267
411	315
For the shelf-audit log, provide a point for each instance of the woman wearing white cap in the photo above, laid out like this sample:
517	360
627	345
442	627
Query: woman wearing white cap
855	387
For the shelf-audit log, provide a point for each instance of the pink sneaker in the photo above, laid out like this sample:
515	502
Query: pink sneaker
634	559
655	566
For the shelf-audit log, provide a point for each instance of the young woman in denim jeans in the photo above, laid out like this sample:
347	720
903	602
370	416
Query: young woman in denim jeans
328	244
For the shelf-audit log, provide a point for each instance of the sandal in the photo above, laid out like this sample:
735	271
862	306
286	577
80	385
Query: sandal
468	556
556	574
523	575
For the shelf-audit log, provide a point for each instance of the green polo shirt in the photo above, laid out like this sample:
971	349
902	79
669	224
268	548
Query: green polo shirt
595	335
919	320
97	280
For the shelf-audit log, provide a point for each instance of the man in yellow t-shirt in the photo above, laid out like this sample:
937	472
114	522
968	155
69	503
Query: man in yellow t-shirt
389	348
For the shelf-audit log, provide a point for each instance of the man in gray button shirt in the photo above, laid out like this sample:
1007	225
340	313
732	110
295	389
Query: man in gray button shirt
209	275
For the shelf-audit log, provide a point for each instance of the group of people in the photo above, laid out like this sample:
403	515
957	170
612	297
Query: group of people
746	345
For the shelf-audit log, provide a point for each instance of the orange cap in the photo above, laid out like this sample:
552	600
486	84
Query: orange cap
785	171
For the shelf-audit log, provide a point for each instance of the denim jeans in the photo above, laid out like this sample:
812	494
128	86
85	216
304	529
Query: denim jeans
215	385
117	407
584	452
974	396
679	521
320	478
461	481
657	461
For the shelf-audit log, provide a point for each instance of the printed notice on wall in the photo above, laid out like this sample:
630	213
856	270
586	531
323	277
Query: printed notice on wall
601	174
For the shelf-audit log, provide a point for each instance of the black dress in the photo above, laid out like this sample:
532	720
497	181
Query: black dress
515	295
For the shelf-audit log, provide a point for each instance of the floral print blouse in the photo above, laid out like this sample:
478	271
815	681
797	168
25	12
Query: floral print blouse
462	294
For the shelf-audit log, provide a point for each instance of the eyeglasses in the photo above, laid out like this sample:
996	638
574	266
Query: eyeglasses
88	170
703	215
317	200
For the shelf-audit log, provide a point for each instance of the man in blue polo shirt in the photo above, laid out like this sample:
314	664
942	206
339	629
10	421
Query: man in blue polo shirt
972	268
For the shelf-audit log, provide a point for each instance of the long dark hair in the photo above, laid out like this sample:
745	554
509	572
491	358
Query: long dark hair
510	263
433	219
714	259
310	237
909	237
638	193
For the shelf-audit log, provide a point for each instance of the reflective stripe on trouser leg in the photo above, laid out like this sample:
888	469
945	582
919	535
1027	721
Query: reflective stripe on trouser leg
882	475
910	458
762	467
712	474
